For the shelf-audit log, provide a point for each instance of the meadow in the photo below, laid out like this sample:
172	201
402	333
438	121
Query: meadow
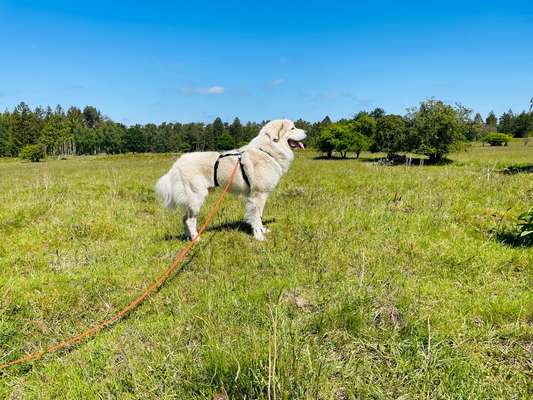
375	282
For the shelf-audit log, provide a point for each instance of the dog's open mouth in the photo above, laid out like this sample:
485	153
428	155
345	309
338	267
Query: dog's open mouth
295	144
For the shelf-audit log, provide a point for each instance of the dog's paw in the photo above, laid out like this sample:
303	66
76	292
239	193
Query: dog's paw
264	229
259	236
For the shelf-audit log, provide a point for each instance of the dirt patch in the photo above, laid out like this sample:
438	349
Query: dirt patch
297	299
388	315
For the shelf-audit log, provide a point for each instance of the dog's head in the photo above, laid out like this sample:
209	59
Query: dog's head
283	135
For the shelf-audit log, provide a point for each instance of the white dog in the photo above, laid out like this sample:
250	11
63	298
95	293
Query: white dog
262	163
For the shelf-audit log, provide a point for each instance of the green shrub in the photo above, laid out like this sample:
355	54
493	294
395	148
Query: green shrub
342	137
225	141
32	152
326	142
498	139
391	134
434	127
525	224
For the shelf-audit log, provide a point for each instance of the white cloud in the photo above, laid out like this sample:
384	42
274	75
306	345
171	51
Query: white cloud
203	90
276	82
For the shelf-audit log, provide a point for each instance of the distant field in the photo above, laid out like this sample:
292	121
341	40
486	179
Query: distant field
515	152
376	282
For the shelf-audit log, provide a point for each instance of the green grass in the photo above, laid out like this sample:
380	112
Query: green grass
376	282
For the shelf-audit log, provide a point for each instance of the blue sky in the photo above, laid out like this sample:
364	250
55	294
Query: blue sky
141	61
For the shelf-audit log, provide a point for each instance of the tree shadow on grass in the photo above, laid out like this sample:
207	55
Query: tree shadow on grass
397	161
526	168
238	225
370	159
335	158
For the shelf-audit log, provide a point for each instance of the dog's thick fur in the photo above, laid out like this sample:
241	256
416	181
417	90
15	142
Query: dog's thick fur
265	159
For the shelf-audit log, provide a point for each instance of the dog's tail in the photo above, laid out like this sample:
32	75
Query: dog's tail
169	189
163	188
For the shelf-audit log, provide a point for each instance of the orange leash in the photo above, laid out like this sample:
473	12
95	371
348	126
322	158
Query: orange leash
137	301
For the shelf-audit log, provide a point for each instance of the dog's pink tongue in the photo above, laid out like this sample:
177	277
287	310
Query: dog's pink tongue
301	145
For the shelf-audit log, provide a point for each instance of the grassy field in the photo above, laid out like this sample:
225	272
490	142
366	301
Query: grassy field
375	282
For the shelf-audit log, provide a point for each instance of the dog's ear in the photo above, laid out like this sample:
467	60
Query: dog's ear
271	135
278	134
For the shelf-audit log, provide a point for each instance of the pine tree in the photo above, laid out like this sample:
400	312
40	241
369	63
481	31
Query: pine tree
217	129
4	143
24	128
506	122
91	117
236	131
490	122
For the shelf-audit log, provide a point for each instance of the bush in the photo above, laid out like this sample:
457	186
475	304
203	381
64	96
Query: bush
32	152
525	224
225	141
520	234
342	137
434	127
359	143
391	135
498	139
326	141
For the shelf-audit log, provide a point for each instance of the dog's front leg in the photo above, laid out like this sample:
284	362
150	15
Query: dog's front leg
254	210
265	229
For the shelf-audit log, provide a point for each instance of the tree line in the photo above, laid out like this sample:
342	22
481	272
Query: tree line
430	129
87	131
433	129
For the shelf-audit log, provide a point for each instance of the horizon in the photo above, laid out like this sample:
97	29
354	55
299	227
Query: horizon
161	62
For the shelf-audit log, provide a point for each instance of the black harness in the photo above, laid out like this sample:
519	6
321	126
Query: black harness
243	172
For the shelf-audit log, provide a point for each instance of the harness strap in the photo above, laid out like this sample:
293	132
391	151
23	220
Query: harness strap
272	157
243	172
266	152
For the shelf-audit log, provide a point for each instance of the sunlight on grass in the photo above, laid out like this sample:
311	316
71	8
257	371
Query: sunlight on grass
376	282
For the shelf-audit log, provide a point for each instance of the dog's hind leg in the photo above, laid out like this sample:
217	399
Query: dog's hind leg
254	210
189	222
191	211
186	216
